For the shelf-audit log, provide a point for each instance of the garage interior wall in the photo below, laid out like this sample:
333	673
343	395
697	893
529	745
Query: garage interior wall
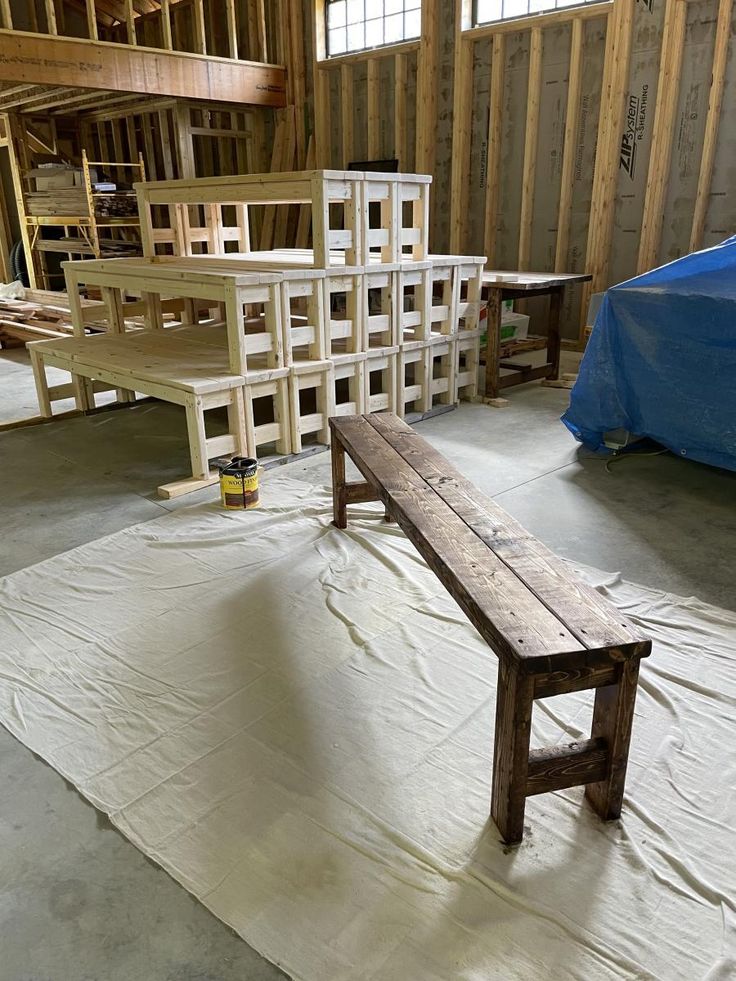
596	139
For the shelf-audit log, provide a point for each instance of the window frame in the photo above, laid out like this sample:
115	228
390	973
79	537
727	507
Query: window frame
349	52
521	18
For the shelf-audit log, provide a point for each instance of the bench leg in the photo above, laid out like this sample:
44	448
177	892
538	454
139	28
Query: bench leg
613	715
339	497
236	420
84	393
511	750
42	387
197	436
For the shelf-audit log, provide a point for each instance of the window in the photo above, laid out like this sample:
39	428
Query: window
489	11
357	25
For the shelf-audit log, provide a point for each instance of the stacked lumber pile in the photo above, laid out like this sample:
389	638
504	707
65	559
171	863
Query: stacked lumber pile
43	314
117	204
57	202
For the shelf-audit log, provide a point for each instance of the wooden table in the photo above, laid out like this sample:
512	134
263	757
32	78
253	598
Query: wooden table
500	286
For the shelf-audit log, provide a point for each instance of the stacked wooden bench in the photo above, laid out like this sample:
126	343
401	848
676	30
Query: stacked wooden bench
552	633
364	320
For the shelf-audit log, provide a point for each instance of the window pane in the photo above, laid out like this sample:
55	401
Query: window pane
336	13
338	41
489	10
515	8
373	33
356	11
393	6
356	36
412	23
394	28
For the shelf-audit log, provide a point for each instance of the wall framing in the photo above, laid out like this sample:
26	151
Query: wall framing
452	88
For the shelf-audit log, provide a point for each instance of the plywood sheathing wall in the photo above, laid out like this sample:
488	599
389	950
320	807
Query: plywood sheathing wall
653	200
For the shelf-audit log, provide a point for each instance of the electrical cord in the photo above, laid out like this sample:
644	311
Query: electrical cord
621	456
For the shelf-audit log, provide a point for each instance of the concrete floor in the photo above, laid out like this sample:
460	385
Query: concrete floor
77	902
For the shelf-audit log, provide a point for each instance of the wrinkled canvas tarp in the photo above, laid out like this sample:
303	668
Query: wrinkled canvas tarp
661	361
297	723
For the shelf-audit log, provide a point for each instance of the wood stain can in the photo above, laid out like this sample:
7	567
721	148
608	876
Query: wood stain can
239	484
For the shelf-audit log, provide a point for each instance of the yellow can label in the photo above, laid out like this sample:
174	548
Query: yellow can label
239	493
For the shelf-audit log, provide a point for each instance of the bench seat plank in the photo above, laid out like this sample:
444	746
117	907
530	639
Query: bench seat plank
508	616
585	614
158	357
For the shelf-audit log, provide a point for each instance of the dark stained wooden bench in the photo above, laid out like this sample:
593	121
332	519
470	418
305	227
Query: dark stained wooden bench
551	632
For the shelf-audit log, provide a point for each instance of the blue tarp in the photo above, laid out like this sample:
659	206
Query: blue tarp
661	361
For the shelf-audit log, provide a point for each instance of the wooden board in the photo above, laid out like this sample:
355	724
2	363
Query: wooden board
82	63
522	599
160	358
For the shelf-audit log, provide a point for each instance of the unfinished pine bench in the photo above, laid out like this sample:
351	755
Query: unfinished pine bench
159	364
551	632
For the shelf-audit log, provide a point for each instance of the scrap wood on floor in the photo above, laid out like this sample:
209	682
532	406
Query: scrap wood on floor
41	314
296	723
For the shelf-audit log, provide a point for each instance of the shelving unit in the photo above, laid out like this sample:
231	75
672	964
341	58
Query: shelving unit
87	232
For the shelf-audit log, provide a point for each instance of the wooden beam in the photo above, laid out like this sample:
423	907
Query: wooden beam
616	68
304	223
531	141
461	121
200	31
166	25
13	91
281	222
569	147
261	29
130	22
296	74
346	112
185	144
712	121
102	104
19	160
660	157
92	20
401	140
6	240
322	127
6	14
40	97
81	63
321	81
493	158
374	110
231	20
280	150
389	51
45	100
117	142
51	24
427	80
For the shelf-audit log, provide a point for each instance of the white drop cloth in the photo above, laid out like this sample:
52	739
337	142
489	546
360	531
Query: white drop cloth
296	722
